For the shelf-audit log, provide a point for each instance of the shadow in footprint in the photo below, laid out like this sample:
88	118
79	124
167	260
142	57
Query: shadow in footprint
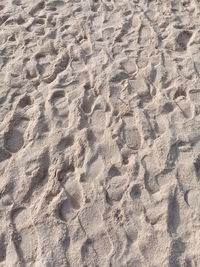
197	166
13	140
182	40
67	207
176	250
4	154
135	192
173	217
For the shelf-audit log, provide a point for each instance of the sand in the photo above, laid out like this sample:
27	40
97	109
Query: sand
99	133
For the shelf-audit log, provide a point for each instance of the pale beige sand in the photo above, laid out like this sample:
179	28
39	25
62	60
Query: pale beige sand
100	133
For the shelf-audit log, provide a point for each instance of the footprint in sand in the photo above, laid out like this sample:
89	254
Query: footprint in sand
144	35
116	188
87	103
95	247
59	108
135	192
72	203
182	40
192	198
195	96
25	101
68	207
131	134
4	154
59	66
98	122
23	237
14	136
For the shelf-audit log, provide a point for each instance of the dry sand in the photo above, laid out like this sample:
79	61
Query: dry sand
100	133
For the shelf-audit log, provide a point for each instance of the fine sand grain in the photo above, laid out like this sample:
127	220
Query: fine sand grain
99	133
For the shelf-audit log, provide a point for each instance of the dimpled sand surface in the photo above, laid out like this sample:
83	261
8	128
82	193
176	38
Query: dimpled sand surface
99	133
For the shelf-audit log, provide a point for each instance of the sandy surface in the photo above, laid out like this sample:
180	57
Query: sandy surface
99	133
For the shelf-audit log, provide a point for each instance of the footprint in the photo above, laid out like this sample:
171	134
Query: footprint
179	93
56	3
96	247
131	134
13	140
88	101
142	59
14	136
184	107
59	66
88	253
102	244
114	171
4	154
3	19
36	168
37	7
25	101
195	96
95	4
197	166
98	122
116	188
119	76
20	20
192	198
43	62
166	108
132	138
149	249
129	65
173	214
177	248
136	191
2	247
59	108
144	35
150	174
182	40
90	219
109	149
107	33
94	163
24	236
65	142
68	208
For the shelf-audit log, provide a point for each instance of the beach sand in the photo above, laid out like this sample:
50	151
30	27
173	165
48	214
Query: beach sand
99	133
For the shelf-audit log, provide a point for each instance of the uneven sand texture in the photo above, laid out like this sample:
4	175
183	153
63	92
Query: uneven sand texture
99	133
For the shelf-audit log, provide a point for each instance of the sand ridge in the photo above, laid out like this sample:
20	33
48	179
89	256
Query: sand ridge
100	130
